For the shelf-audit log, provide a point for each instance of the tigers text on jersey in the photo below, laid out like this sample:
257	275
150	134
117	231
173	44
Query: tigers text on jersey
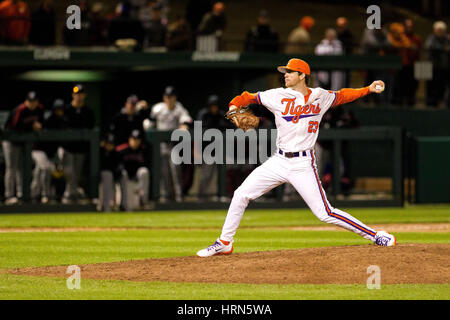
297	124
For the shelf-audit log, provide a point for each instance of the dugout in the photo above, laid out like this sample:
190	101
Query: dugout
111	76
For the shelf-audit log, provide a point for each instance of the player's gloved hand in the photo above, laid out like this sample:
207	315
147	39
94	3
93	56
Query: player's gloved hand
242	118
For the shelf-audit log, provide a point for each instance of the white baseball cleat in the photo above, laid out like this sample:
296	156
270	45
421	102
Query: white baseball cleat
217	248
382	238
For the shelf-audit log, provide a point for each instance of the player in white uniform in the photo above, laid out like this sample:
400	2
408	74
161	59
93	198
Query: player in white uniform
298	111
170	115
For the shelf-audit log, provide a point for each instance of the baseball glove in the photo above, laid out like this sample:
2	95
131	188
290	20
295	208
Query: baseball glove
243	118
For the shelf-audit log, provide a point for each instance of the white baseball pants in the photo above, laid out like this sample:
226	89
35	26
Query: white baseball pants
13	169
301	172
42	174
143	178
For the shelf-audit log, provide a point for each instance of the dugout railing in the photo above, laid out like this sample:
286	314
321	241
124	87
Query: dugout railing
393	135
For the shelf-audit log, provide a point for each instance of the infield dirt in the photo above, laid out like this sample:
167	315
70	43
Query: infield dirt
405	263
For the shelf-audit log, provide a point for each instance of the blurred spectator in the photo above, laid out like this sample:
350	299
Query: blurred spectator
299	39
27	117
438	48
43	24
408	84
145	12
333	80
99	25
400	45
179	35
126	121
79	37
170	115
134	164
262	37
212	117
156	32
211	28
124	31
14	22
78	116
374	41
213	22
136	7
109	164
195	10
344	35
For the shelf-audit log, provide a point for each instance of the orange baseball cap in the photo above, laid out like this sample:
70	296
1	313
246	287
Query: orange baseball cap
295	65
307	22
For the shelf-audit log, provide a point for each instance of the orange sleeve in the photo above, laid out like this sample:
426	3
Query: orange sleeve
347	95
244	99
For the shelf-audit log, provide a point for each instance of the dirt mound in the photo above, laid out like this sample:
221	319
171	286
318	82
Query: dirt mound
405	263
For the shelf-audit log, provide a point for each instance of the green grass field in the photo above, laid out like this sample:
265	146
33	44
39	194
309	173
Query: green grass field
171	234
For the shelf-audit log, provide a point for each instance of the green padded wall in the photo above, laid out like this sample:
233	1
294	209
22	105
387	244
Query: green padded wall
432	169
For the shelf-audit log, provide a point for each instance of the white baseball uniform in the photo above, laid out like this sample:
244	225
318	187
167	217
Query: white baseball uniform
297	118
167	119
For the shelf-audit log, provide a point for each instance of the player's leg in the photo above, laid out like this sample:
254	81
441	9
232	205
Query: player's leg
46	177
175	173
124	190
69	172
35	182
107	179
164	190
143	177
308	185
78	168
263	179
9	170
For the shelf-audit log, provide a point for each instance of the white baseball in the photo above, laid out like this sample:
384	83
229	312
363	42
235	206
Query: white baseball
379	87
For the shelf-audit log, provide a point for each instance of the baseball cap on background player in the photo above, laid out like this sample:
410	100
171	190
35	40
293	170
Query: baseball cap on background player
170	91
136	134
31	96
58	104
295	65
109	138
213	100
133	99
79	88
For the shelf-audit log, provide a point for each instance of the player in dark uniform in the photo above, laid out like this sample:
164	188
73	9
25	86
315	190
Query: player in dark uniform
78	116
27	117
56	120
134	165
127	120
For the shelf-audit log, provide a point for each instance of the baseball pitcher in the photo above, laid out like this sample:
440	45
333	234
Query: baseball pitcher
298	111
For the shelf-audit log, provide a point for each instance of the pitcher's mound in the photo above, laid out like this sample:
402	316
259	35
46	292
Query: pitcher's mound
405	263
